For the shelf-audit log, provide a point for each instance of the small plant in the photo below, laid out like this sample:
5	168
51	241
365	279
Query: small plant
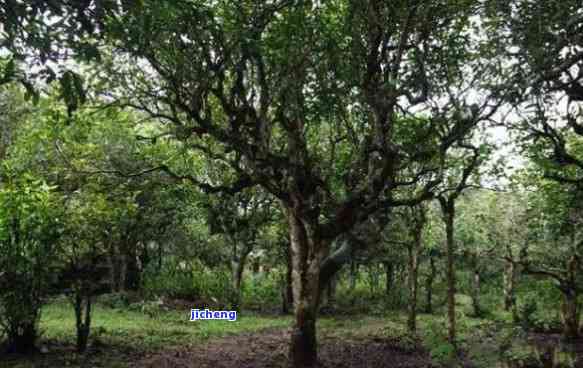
522	356
401	339
114	300
443	353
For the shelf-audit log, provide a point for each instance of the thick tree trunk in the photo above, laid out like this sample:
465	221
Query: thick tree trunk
413	266
287	294
238	262
306	260
570	314
429	285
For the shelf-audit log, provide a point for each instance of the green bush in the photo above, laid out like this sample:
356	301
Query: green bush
443	353
29	231
118	300
192	282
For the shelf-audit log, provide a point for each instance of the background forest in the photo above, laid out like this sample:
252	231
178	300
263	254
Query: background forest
368	183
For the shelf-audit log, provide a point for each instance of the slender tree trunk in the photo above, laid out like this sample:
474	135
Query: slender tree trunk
389	273
306	291
133	268
113	269
400	277
476	285
413	252
449	215
332	292
373	277
429	285
570	314
509	286
122	272
83	321
117	260
353	275
412	308
160	256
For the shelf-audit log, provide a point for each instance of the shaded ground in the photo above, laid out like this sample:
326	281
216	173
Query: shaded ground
268	348
59	354
552	351
146	335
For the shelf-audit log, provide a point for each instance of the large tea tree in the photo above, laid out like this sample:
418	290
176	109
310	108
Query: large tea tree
306	99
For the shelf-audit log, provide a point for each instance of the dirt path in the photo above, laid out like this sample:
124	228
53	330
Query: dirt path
268	348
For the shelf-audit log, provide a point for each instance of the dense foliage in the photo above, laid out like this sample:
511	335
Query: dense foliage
312	157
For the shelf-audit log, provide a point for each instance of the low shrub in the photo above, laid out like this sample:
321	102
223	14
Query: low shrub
193	282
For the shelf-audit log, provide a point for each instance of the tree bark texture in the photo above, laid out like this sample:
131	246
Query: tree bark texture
306	260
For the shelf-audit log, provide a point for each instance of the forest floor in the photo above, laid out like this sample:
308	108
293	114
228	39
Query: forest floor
150	336
343	343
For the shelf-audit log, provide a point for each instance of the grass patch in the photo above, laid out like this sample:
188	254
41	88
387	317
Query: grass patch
143	332
119	336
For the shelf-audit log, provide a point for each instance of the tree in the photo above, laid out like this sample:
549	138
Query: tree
553	245
460	172
414	248
551	131
240	218
85	272
541	76
507	227
304	99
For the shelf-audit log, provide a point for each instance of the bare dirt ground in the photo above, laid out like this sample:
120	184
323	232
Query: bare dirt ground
268	348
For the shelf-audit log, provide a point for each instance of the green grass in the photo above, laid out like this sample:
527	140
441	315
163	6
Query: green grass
121	335
139	331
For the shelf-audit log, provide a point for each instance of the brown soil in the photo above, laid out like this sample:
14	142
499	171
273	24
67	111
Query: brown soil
268	348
